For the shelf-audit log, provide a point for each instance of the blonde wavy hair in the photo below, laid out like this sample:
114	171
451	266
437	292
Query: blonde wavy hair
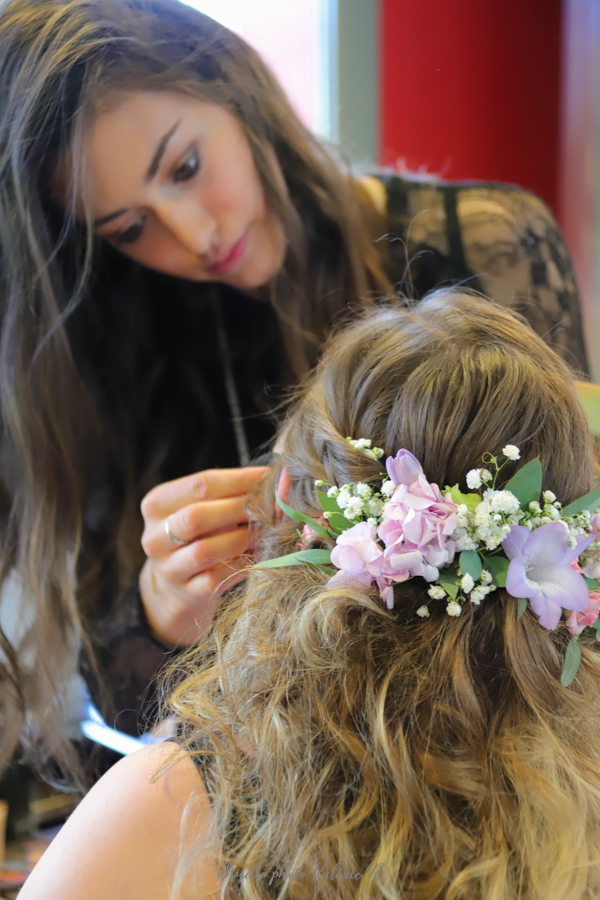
441	756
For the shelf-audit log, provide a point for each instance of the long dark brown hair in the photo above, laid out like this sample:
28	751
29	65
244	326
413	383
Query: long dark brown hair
440	755
59	63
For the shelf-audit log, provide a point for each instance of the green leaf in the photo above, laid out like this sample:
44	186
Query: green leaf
339	522
596	624
526	484
521	607
470	500
572	661
330	505
449	582
588	501
592	584
470	564
301	558
497	566
301	517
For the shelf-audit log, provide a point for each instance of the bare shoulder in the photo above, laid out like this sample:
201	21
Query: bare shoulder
123	840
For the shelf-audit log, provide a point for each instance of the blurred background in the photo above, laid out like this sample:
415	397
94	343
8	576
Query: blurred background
494	90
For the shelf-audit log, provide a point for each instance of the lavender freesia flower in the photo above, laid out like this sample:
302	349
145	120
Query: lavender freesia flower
403	468
539	571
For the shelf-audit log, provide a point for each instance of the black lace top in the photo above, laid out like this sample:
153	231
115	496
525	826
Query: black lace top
498	239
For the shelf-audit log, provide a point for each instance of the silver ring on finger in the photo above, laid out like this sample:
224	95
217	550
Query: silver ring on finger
170	535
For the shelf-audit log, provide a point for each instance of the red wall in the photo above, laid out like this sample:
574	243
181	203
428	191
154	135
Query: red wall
471	89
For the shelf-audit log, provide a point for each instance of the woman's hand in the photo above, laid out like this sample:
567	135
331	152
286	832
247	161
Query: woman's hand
180	584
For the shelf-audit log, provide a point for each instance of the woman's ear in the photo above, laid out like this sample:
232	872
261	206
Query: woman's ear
283	489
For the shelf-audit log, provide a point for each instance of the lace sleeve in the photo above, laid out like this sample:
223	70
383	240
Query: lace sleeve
498	239
513	244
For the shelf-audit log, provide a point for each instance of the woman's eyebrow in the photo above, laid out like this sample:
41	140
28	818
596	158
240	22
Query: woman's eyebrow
160	151
151	172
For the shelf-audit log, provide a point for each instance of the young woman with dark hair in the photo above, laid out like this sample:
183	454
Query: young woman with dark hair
174	247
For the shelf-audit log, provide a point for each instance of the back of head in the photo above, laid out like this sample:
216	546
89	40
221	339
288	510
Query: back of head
428	758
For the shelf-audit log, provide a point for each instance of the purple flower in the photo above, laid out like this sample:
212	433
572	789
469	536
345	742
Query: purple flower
403	468
539	571
418	518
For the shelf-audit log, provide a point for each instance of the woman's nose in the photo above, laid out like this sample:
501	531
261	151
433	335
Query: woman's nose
190	225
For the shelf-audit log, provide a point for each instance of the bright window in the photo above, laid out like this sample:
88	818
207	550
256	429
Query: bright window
292	38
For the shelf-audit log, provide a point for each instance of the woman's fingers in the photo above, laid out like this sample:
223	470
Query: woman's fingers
192	522
213	484
180	584
179	616
214	581
208	553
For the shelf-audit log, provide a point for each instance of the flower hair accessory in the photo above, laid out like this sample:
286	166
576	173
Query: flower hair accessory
464	545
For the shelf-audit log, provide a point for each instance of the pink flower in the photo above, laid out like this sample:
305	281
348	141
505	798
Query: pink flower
419	518
361	561
309	534
356	552
592	569
577	621
400	566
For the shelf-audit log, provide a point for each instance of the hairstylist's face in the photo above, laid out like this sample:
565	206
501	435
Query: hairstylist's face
174	186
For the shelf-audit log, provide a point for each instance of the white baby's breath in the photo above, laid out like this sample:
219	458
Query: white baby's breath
467	583
354	507
388	488
423	612
511	452
474	479
504	502
454	608
436	592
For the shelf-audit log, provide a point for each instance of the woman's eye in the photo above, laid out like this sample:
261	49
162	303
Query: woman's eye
130	235
188	167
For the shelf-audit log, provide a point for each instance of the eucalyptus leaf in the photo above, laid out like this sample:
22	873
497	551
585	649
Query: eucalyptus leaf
450	583
596	624
469	500
470	564
301	517
588	501
521	607
526	484
338	522
336	518
572	661
328	504
592	584
301	558
497	566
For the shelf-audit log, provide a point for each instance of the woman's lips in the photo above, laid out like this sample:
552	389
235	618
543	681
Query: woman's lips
230	259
